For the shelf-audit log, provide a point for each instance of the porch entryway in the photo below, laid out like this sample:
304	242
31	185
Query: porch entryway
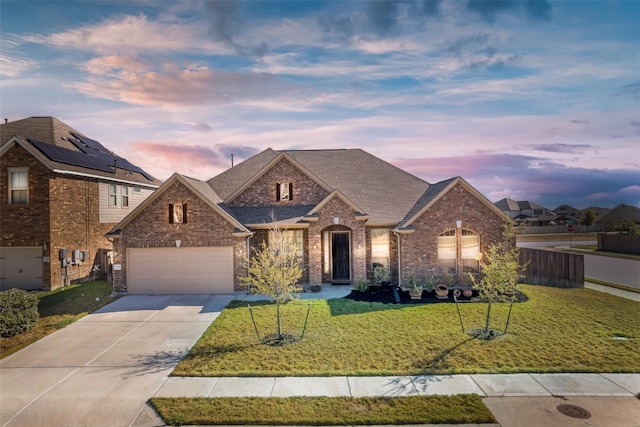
340	257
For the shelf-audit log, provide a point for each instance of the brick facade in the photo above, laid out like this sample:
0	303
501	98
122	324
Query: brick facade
419	250
409	253
151	228
263	191
346	221
62	212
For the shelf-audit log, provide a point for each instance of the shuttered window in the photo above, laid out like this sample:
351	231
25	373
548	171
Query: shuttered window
178	213
284	191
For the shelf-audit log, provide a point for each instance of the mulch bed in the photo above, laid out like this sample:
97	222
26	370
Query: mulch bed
386	295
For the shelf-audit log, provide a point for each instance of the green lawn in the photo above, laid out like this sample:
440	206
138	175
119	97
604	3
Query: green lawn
58	309
556	330
332	411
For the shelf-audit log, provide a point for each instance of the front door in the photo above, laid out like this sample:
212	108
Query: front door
340	257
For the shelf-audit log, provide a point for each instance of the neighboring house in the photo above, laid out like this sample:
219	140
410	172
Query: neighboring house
532	214
596	210
567	214
343	211
60	193
623	212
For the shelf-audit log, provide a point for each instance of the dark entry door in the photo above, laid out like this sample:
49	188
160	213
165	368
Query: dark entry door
340	257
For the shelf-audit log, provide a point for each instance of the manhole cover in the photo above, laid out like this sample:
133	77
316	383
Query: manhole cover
573	411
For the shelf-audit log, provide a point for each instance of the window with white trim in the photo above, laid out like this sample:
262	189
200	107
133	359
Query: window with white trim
470	251
113	195
379	247
125	196
18	185
291	241
447	252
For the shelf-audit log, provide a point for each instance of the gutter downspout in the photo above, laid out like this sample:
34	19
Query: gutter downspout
248	255
399	257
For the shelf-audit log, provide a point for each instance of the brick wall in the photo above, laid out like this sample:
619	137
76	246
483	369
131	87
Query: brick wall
24	224
62	213
151	228
419	250
393	256
336	208
263	191
75	224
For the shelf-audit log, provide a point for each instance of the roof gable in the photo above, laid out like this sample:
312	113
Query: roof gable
201	189
508	204
436	191
378	188
620	213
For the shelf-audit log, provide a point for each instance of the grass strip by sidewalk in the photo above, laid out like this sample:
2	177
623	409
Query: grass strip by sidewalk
58	309
458	409
556	330
612	285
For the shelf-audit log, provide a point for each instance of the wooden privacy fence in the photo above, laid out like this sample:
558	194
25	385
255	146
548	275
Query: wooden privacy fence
549	268
551	229
619	243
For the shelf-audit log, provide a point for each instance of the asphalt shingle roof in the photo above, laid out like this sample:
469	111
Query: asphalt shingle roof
41	132
432	192
378	188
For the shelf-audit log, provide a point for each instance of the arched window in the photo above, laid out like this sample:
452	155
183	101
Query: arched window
447	252
454	258
470	251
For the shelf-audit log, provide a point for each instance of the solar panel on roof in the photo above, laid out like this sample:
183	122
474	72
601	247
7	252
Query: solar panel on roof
90	143
63	155
95	157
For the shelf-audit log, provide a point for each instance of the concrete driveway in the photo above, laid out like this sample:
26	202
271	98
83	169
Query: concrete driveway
101	370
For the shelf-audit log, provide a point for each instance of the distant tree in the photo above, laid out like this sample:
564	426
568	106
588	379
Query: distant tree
627	226
500	268
588	218
274	270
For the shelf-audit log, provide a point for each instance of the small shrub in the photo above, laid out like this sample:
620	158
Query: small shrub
18	312
361	285
381	274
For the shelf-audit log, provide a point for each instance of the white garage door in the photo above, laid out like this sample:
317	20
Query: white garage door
201	270
21	267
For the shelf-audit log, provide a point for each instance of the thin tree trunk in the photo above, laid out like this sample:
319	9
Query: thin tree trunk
486	327
279	321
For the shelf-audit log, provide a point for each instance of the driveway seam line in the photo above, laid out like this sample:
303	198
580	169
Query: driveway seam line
86	365
40	395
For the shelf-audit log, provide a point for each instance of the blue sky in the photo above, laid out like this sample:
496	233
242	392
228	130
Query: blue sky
532	100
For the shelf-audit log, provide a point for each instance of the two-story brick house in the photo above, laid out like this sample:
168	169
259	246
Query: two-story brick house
343	211
60	193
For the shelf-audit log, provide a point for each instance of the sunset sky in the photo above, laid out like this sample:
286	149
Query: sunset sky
531	100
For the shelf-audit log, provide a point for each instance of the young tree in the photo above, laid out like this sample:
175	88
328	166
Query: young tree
274	271
500	269
627	226
588	218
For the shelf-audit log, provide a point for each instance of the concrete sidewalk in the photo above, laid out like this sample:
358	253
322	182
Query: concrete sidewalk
516	400
485	385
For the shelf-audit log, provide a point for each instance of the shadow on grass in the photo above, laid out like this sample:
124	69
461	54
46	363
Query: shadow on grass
439	362
344	306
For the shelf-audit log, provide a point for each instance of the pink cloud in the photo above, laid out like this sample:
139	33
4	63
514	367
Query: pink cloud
197	161
195	155
131	79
